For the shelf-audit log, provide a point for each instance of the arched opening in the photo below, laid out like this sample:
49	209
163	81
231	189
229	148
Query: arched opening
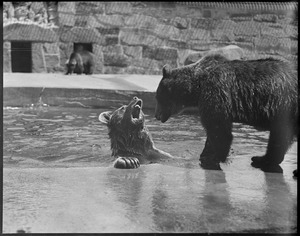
83	46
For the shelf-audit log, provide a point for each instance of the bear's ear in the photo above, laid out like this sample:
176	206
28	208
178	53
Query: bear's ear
166	70
104	117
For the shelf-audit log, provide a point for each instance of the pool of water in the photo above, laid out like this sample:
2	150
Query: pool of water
58	177
57	136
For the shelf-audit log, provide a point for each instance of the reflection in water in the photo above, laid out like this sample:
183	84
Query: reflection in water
25	199
153	198
277	193
172	199
166	214
216	196
129	187
174	202
133	180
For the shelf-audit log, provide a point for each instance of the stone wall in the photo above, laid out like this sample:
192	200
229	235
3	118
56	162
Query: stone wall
140	37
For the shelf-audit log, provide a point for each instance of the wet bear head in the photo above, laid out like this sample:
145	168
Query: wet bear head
127	132
128	116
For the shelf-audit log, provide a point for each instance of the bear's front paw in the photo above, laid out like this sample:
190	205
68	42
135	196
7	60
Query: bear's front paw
127	163
209	163
265	165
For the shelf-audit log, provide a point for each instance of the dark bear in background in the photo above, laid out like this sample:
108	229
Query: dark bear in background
261	93
131	142
81	61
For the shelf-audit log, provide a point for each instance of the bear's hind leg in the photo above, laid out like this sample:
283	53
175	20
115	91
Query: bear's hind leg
86	69
281	138
91	70
80	69
295	172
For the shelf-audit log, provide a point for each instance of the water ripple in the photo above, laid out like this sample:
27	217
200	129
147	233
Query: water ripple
74	135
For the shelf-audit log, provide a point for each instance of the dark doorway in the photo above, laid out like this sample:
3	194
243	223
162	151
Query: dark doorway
21	58
83	46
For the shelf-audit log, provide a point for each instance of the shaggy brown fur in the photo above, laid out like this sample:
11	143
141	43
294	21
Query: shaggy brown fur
81	61
262	93
130	139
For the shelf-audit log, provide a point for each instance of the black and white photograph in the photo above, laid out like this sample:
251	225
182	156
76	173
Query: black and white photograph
150	117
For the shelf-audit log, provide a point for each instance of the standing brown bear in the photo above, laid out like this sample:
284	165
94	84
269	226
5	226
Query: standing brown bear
262	93
80	61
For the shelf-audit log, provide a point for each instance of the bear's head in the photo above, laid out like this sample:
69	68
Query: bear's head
71	64
127	130
127	116
163	109
172	94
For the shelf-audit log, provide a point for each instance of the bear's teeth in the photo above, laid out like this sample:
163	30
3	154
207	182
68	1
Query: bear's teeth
137	106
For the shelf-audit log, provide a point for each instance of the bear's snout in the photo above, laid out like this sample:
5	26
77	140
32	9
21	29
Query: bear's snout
157	116
163	118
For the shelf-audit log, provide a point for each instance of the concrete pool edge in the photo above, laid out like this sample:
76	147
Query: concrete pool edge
99	90
73	97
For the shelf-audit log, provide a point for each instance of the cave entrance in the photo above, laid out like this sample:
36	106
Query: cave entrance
21	57
83	46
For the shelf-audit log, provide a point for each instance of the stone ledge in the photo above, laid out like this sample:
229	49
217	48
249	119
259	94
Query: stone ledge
82	35
231	52
29	32
70	97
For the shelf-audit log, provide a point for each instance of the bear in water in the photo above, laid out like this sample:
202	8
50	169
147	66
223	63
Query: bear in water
262	93
131	142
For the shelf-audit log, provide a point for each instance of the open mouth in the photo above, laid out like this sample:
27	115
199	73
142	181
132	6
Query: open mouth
136	110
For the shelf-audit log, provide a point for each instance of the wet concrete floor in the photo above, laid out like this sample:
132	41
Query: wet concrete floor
153	198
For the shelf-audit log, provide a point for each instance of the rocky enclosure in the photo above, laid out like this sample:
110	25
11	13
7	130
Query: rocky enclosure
141	37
